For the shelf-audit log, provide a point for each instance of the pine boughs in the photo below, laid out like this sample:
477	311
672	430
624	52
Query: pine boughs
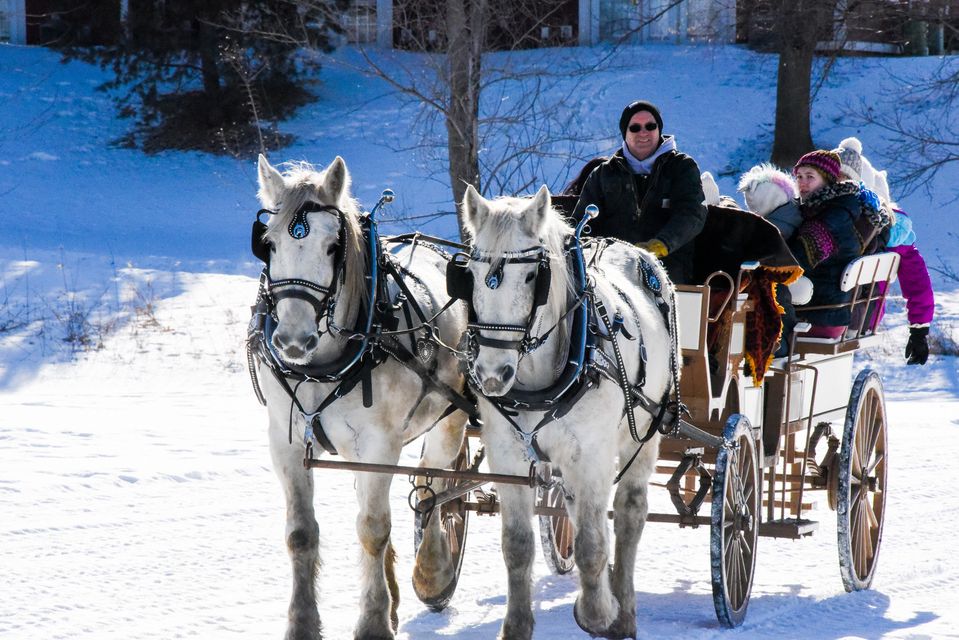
211	76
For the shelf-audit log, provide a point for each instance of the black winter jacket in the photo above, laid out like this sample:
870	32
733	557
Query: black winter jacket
827	241
666	205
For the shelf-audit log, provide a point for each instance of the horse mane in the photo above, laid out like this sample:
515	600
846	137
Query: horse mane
308	183
505	220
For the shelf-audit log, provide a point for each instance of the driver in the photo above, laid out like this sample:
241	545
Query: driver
648	193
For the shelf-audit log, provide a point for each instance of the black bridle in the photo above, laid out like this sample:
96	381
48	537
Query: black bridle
459	285
320	297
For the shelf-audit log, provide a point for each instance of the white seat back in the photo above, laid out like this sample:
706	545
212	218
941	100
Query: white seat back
878	267
691	313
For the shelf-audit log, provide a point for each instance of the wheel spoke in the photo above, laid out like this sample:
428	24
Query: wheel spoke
870	514
734	574
871	470
855	462
874	434
865	545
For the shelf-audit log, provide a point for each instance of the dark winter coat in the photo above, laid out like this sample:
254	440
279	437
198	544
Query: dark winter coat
666	205
825	243
787	218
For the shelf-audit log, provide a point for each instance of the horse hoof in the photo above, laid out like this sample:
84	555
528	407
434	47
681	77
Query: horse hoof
516	632
616	631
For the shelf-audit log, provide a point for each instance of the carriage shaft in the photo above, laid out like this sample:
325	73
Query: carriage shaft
429	472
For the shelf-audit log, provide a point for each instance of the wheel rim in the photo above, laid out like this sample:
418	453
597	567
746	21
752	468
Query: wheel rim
454	519
867	484
454	513
561	527
739	526
735	522
556	533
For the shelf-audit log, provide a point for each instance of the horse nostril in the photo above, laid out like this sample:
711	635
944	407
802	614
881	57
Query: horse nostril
506	372
311	343
293	351
279	341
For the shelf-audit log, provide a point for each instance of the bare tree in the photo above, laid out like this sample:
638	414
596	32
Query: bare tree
801	24
921	125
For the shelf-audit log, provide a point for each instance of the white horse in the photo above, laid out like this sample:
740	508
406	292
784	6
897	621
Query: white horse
513	241
317	292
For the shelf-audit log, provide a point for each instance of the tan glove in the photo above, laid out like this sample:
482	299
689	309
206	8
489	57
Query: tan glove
655	247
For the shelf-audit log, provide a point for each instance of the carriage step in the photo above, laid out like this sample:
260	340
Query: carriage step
788	528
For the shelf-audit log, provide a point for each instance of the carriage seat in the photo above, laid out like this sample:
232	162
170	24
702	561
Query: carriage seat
868	278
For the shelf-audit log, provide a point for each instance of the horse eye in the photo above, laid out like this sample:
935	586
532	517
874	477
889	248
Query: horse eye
331	250
530	276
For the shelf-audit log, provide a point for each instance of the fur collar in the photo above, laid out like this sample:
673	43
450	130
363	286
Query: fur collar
829	192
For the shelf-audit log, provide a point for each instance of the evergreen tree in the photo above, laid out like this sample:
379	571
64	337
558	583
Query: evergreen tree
214	75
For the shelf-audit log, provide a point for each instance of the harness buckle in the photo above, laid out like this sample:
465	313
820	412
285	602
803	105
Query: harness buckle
529	344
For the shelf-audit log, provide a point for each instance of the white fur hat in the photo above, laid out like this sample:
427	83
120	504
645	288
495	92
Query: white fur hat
850	152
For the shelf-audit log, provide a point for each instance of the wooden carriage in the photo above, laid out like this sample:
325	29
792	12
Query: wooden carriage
809	428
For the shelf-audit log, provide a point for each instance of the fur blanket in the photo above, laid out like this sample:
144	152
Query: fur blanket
731	237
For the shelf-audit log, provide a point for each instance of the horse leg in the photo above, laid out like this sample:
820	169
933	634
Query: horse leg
630	507
379	593
596	609
517	541
302	532
434	570
516	509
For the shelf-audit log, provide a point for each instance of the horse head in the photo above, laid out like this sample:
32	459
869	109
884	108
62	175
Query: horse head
766	188
315	253
517	259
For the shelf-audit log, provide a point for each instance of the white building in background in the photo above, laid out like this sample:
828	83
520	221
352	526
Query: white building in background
592	21
639	21
13	21
596	21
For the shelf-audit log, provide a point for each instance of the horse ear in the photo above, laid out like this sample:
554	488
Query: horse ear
474	209
536	211
337	179
271	183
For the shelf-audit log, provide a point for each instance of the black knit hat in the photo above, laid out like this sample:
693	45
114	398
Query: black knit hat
634	108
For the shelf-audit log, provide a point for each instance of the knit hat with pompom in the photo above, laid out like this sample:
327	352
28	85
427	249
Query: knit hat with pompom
827	163
850	154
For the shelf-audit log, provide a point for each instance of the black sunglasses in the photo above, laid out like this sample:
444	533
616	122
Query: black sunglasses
636	128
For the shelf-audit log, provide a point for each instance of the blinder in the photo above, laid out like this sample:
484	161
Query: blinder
261	248
541	290
459	280
298	228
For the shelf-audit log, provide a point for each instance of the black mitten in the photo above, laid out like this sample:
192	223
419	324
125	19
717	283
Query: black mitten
917	349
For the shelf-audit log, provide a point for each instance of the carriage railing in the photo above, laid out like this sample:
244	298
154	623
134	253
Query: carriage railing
701	310
863	277
868	278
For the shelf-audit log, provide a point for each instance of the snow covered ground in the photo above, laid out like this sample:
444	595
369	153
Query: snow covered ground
136	494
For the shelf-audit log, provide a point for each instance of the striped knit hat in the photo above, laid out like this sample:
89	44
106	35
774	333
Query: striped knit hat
827	163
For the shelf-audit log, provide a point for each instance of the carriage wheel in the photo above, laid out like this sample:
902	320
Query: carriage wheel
454	519
556	532
862	482
735	521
